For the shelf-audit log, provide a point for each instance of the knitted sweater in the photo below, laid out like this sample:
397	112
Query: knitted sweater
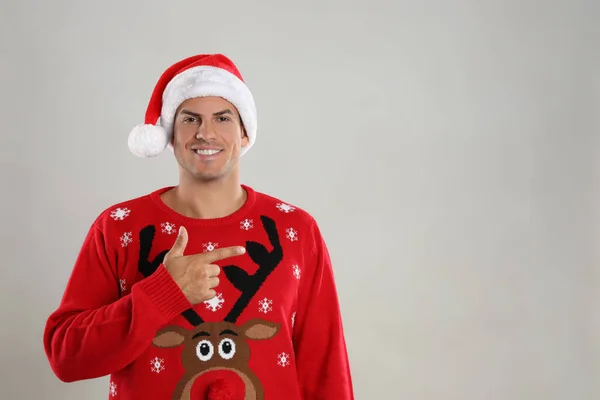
273	331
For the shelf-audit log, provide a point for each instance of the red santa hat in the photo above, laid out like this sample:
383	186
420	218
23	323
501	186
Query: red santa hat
197	76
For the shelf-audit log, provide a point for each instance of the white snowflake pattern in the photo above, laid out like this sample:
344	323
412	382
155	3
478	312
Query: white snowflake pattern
264	305
286	208
168	228
113	389
247	224
296	271
126	239
123	284
120	213
293	319
157	365
210	246
216	303
283	359
291	234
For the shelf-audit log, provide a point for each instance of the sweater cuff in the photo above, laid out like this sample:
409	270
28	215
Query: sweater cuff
162	290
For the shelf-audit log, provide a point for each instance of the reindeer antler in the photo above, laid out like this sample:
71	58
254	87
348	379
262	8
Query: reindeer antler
147	267
266	260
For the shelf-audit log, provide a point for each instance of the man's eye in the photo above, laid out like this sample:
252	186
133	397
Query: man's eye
223	119
189	120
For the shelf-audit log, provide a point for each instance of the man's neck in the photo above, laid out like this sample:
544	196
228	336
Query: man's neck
203	200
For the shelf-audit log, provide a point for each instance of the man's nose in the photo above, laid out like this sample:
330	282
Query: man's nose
205	131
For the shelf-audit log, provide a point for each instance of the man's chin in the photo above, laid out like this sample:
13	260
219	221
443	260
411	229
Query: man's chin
209	176
203	177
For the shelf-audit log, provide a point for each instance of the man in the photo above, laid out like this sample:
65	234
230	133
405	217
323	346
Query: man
208	289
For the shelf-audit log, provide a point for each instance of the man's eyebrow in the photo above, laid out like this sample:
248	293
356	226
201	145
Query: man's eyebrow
226	111
187	112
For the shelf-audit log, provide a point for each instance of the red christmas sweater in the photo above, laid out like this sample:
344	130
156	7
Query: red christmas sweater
273	331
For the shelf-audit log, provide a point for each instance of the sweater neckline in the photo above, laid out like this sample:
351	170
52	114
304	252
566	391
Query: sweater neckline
234	217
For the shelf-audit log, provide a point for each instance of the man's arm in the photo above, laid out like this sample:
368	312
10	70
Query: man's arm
93	332
319	343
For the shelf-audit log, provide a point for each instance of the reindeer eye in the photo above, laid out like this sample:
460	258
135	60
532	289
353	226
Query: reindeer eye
227	348
205	350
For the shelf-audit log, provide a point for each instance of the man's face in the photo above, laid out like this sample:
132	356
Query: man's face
208	136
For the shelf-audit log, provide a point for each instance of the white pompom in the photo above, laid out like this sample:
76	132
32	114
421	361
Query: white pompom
147	140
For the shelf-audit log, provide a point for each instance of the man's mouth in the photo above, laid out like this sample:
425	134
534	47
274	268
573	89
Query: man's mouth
207	152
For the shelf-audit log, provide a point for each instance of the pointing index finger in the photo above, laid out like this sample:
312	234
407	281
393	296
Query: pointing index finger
225	252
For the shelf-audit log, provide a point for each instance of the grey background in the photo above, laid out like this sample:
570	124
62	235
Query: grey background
448	150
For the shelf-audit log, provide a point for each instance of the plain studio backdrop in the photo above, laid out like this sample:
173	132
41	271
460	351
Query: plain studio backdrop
447	149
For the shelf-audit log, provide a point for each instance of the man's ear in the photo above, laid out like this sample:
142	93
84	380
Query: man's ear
173	126
173	135
245	139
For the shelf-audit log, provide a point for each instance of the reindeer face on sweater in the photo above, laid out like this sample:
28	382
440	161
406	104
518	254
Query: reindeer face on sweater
216	345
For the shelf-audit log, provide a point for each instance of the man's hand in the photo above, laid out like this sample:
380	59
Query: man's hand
196	274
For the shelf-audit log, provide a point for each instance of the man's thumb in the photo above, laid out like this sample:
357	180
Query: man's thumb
180	243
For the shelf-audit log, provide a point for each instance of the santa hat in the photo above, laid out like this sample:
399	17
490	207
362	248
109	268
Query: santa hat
197	76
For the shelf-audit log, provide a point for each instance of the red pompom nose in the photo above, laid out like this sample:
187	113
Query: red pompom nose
222	390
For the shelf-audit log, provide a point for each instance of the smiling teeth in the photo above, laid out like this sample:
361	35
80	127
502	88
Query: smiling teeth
207	152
